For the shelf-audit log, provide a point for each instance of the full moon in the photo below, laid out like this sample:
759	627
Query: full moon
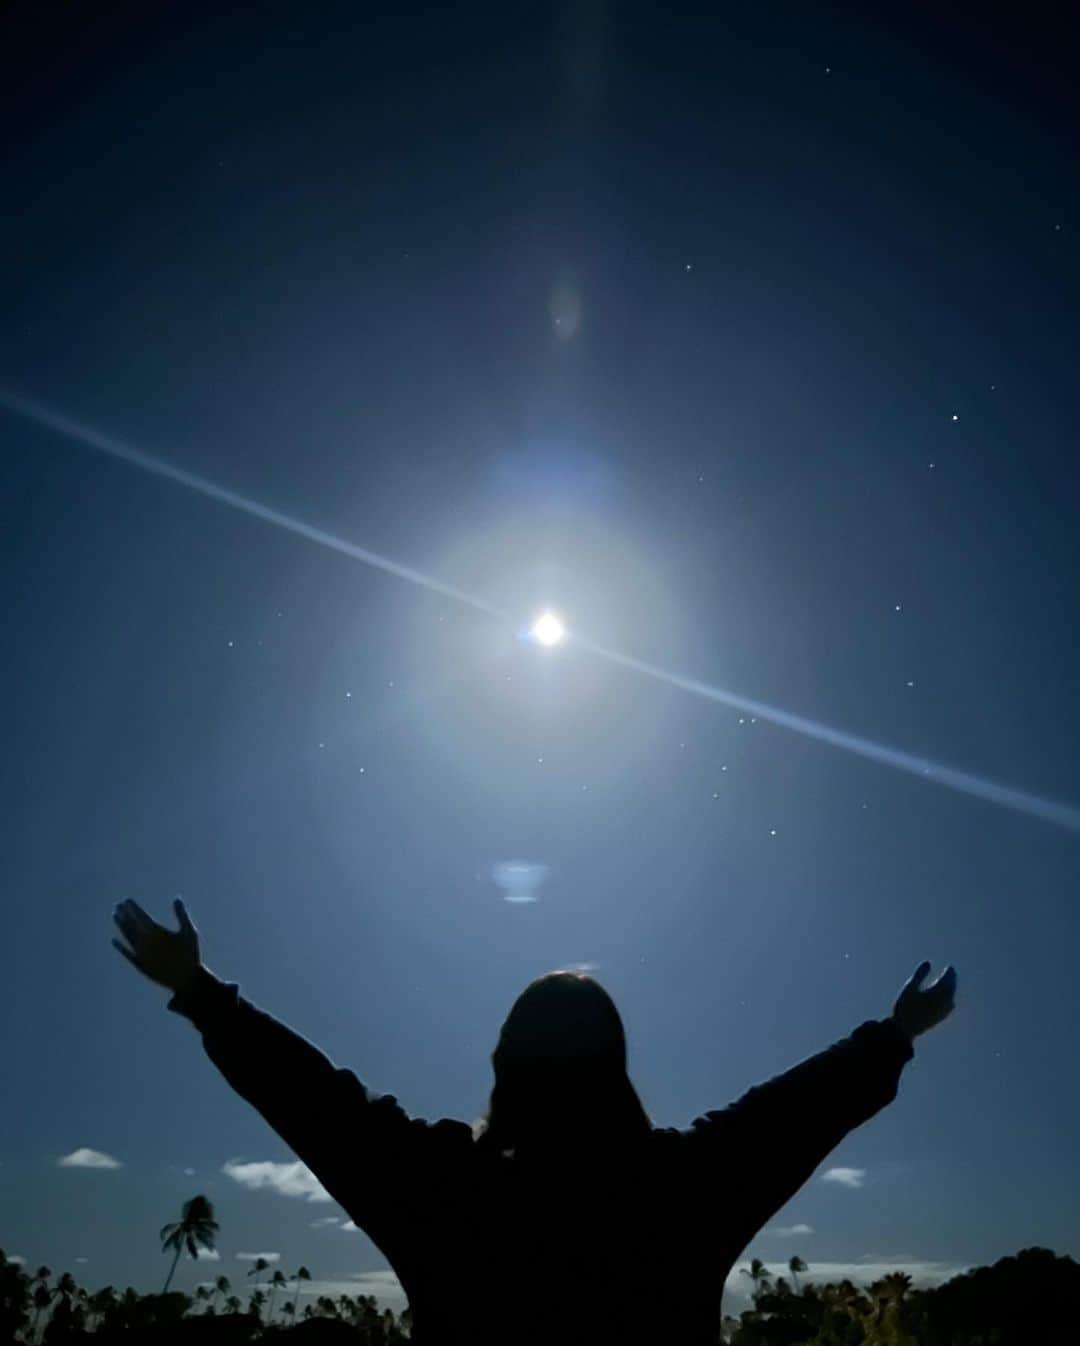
548	630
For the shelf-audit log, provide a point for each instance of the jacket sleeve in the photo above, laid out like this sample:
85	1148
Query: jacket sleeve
361	1146
755	1154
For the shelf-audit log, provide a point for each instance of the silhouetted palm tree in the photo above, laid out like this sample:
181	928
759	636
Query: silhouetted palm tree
221	1286
759	1274
41	1300
795	1265
898	1284
302	1275
101	1303
276	1280
850	1297
261	1264
195	1227
233	1304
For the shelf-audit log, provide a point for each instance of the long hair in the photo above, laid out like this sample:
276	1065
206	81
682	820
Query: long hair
560	1072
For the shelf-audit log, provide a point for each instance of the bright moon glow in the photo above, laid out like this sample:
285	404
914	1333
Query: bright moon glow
548	630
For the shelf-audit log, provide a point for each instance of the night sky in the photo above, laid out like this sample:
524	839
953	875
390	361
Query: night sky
746	341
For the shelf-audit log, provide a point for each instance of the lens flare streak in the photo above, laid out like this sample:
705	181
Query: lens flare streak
1063	815
22	406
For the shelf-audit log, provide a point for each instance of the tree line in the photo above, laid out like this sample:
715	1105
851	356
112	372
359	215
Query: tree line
1030	1299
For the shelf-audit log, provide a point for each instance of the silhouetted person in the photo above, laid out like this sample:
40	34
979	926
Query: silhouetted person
570	1218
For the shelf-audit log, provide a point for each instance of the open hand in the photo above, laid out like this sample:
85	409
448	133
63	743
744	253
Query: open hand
169	957
917	1010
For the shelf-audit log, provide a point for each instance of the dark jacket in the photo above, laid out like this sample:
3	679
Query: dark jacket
631	1251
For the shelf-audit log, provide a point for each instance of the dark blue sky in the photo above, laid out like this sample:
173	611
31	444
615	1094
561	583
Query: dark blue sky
748	343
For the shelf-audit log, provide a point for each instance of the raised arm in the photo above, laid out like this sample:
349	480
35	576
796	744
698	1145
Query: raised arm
756	1153
359	1145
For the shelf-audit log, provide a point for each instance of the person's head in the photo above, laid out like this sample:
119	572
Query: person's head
560	1071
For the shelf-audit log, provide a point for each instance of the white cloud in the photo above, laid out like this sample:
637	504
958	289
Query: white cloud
789	1231
208	1255
350	1228
846	1177
294	1179
323	1221
254	1257
188	1172
81	1259
18	1259
84	1158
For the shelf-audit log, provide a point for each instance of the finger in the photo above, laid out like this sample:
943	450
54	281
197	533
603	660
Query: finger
947	981
127	954
126	922
182	916
919	974
138	915
134	915
131	927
